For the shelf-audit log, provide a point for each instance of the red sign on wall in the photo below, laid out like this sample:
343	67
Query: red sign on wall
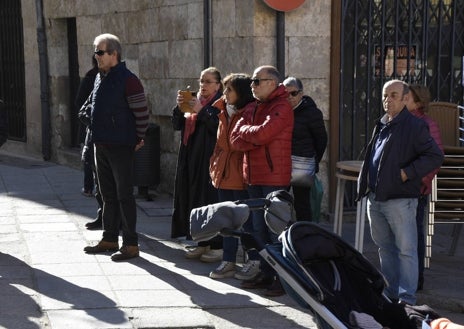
284	5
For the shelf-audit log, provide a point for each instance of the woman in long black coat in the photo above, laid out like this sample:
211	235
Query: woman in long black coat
193	186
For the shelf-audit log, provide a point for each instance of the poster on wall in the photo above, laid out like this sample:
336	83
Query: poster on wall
401	54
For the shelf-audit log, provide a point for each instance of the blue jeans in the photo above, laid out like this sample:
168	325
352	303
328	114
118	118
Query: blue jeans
394	231
261	232
230	244
420	217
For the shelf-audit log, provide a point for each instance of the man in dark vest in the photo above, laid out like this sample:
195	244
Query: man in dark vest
118	122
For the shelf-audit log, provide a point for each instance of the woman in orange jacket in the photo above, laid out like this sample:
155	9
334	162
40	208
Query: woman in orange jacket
226	169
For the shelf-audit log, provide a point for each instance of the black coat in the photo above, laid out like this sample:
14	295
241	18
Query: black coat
85	87
408	146
193	186
309	134
83	93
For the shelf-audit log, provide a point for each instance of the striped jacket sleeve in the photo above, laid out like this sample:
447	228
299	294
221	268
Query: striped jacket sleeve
138	104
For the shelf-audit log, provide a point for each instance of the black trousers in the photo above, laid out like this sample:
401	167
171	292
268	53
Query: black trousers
302	203
116	182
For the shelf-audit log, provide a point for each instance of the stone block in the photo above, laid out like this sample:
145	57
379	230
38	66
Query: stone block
116	23
195	20
224	19
234	54
88	27
244	18
154	60
59	8
264	51
264	20
143	26
311	19
185	58
161	94
174	22
310	56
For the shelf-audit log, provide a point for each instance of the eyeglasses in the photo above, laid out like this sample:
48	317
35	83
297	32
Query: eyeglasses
202	82
257	81
294	93
101	52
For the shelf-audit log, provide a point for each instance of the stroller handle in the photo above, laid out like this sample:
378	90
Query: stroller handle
255	204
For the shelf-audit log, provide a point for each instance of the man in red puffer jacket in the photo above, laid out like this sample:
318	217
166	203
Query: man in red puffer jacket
264	134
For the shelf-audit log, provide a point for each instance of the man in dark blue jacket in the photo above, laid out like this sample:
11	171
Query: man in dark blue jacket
400	152
118	122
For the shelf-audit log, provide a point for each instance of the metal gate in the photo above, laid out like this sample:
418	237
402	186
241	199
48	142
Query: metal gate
12	80
418	41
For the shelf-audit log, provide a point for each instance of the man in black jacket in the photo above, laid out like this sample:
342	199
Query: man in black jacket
90	175
399	154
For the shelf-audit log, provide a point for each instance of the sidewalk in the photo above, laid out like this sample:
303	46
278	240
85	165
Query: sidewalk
47	281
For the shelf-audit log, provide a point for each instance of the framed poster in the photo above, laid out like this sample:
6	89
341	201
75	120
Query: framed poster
401	55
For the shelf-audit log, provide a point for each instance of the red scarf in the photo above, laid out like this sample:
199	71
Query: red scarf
190	121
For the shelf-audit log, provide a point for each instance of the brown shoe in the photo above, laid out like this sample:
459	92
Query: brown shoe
275	290
102	246
126	252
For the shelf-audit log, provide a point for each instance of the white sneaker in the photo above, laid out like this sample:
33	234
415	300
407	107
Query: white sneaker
249	270
212	256
224	270
196	252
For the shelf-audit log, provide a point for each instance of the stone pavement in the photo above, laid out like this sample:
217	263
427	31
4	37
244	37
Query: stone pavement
47	281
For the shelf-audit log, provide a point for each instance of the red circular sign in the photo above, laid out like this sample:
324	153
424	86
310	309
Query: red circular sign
284	5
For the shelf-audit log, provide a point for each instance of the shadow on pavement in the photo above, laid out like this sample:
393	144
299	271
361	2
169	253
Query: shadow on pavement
16	302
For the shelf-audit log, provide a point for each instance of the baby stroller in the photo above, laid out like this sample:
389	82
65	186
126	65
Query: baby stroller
318	269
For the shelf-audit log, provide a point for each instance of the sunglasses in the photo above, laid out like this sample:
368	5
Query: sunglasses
101	52
256	81
294	93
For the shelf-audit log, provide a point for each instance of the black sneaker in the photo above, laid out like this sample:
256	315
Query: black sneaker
95	225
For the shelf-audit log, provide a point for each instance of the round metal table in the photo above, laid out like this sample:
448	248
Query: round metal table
349	171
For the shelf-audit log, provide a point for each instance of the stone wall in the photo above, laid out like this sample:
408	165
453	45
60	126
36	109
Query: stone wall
163	44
